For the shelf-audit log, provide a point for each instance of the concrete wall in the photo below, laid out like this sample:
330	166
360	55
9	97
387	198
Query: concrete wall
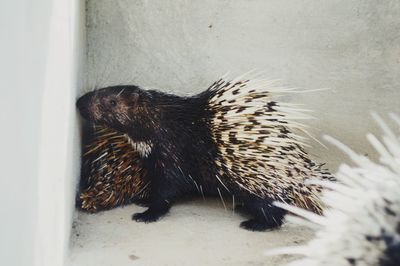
351	47
42	51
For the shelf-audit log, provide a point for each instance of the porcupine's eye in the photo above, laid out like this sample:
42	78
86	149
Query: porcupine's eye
112	103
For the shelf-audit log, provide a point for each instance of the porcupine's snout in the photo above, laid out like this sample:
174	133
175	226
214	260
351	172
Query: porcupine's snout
84	105
87	106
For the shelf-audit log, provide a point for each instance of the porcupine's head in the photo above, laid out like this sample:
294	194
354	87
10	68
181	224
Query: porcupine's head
119	107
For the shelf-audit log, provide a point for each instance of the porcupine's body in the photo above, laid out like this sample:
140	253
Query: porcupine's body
232	139
361	227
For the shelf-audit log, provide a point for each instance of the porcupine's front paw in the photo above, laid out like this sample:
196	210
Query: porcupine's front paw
146	217
152	214
255	225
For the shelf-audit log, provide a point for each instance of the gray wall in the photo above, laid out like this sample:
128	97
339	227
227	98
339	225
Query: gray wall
351	47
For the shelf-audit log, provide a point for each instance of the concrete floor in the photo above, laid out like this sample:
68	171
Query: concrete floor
194	233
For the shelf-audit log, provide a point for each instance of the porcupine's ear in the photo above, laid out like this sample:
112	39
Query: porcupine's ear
134	98
142	97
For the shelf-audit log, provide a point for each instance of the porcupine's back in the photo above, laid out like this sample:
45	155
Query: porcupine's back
259	150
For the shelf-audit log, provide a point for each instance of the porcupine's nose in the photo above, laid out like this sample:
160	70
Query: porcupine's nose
84	104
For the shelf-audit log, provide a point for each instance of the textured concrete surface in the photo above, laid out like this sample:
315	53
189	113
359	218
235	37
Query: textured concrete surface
194	233
351	47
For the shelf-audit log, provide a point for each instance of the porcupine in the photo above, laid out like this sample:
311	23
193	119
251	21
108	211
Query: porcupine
112	172
362	223
232	139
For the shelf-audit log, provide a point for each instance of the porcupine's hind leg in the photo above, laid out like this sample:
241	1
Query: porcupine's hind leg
265	215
